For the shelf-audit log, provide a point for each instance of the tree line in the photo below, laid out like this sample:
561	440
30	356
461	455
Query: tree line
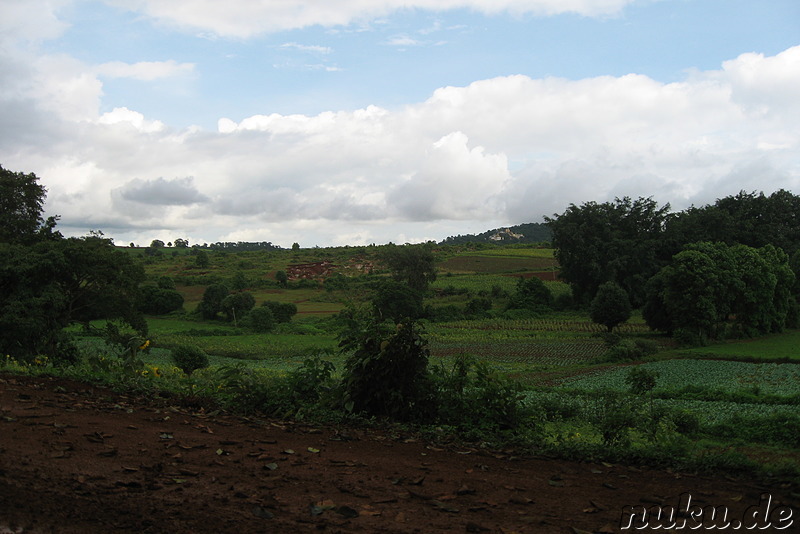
727	268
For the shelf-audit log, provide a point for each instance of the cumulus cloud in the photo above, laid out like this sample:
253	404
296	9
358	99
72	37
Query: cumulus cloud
497	151
144	70
245	18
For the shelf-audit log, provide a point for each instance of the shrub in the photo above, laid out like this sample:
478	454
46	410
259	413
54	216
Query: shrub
158	301
261	319
282	312
189	358
386	373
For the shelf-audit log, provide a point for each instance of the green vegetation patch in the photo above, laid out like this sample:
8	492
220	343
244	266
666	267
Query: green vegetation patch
777	346
712	375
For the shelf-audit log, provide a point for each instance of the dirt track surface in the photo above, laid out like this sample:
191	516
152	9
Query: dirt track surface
76	458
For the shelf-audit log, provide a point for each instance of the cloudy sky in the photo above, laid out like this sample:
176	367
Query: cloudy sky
332	122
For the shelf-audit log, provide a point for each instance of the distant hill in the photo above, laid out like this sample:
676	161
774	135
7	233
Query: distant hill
521	233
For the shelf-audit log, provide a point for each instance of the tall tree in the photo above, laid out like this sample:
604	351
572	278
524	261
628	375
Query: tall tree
412	264
21	204
618	241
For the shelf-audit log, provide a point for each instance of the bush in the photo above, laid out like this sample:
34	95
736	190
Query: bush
630	349
474	398
531	294
189	358
158	301
282	312
261	319
478	307
387	371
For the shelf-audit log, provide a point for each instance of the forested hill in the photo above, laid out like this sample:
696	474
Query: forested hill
521	233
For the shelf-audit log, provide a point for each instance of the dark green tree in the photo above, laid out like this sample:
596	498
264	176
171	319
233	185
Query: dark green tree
202	259
236	305
156	243
386	372
261	319
158	301
411	264
282	312
282	278
211	304
610	306
21	203
620	241
396	301
53	283
531	294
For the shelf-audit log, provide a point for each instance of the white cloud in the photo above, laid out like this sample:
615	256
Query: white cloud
31	21
145	70
245	18
315	49
134	118
497	151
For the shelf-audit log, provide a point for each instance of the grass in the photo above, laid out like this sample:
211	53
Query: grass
772	347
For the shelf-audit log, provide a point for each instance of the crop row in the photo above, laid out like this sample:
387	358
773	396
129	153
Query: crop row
532	352
728	376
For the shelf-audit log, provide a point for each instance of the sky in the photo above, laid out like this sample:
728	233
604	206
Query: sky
351	122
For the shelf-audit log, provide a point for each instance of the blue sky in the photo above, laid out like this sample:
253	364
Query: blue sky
327	124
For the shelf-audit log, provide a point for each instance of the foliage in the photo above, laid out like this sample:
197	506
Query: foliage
476	398
237	305
157	301
281	311
282	278
396	301
386	372
189	358
610	306
531	294
211	304
618	241
21	204
712	290
53	283
412	264
261	319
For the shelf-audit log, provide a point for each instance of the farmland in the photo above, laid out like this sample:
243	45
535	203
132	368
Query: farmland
558	359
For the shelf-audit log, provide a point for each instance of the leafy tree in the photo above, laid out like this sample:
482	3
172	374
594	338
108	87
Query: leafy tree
181	243
237	305
156	243
396	301
412	264
620	241
710	286
261	319
211	304
282	278
202	260
166	282
282	312
610	306
159	301
51	284
531	294
295	247
21	204
386	373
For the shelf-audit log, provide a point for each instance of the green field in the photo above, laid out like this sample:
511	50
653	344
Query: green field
559	358
778	346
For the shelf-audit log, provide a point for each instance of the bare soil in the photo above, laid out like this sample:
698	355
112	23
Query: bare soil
77	458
